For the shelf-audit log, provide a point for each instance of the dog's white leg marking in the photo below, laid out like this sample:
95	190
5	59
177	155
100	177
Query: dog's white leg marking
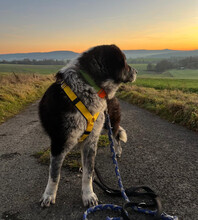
49	195
88	196
88	159
88	154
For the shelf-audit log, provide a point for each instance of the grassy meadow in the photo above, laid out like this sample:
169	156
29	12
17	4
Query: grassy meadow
21	85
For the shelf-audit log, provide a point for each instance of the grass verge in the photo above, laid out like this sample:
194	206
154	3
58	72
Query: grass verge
174	105
187	85
17	91
73	158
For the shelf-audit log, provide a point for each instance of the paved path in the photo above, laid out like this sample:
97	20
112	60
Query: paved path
158	154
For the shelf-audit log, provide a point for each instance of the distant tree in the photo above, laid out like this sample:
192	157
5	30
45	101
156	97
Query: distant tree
189	62
150	67
164	65
36	62
26	61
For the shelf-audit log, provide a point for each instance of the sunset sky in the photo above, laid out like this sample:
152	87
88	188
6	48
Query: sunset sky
76	25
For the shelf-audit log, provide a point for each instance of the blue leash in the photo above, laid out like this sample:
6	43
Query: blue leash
134	206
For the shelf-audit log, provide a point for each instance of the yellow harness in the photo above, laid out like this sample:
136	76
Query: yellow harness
83	110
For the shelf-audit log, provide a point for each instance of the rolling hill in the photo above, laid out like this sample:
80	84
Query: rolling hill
55	55
159	53
67	55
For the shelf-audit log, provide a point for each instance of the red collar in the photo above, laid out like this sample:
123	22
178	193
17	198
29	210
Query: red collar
101	93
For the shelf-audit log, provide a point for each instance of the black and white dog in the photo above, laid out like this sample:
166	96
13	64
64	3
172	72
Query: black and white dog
64	123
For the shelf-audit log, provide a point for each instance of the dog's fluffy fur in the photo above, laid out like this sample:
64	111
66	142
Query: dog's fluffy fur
64	124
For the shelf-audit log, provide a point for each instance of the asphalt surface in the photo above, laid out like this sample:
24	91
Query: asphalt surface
158	154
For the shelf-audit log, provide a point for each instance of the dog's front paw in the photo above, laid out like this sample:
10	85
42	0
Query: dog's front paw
47	199
90	199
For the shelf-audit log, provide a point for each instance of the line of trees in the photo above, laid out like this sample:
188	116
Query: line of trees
36	62
140	60
163	65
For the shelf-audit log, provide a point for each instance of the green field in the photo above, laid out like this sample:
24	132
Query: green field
141	68
185	80
174	73
29	69
142	71
184	74
186	85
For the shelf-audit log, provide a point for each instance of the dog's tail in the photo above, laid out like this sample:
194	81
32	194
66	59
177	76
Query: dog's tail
122	135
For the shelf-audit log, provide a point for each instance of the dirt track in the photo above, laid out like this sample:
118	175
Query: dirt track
159	154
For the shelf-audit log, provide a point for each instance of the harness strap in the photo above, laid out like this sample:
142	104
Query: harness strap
83	110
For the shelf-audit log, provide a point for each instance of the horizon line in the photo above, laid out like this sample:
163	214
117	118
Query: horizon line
85	50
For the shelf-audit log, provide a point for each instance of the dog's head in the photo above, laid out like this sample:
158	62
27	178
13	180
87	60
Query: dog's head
107	62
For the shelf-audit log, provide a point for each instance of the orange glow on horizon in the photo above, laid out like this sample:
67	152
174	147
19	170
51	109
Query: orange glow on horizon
183	37
80	50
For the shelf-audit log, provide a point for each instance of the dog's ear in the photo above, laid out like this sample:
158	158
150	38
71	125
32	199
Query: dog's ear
115	61
118	55
103	62
114	56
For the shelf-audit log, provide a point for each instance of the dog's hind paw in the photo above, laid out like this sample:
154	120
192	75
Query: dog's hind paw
46	200
90	199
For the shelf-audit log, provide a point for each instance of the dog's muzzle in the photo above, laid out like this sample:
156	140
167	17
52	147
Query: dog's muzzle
131	74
